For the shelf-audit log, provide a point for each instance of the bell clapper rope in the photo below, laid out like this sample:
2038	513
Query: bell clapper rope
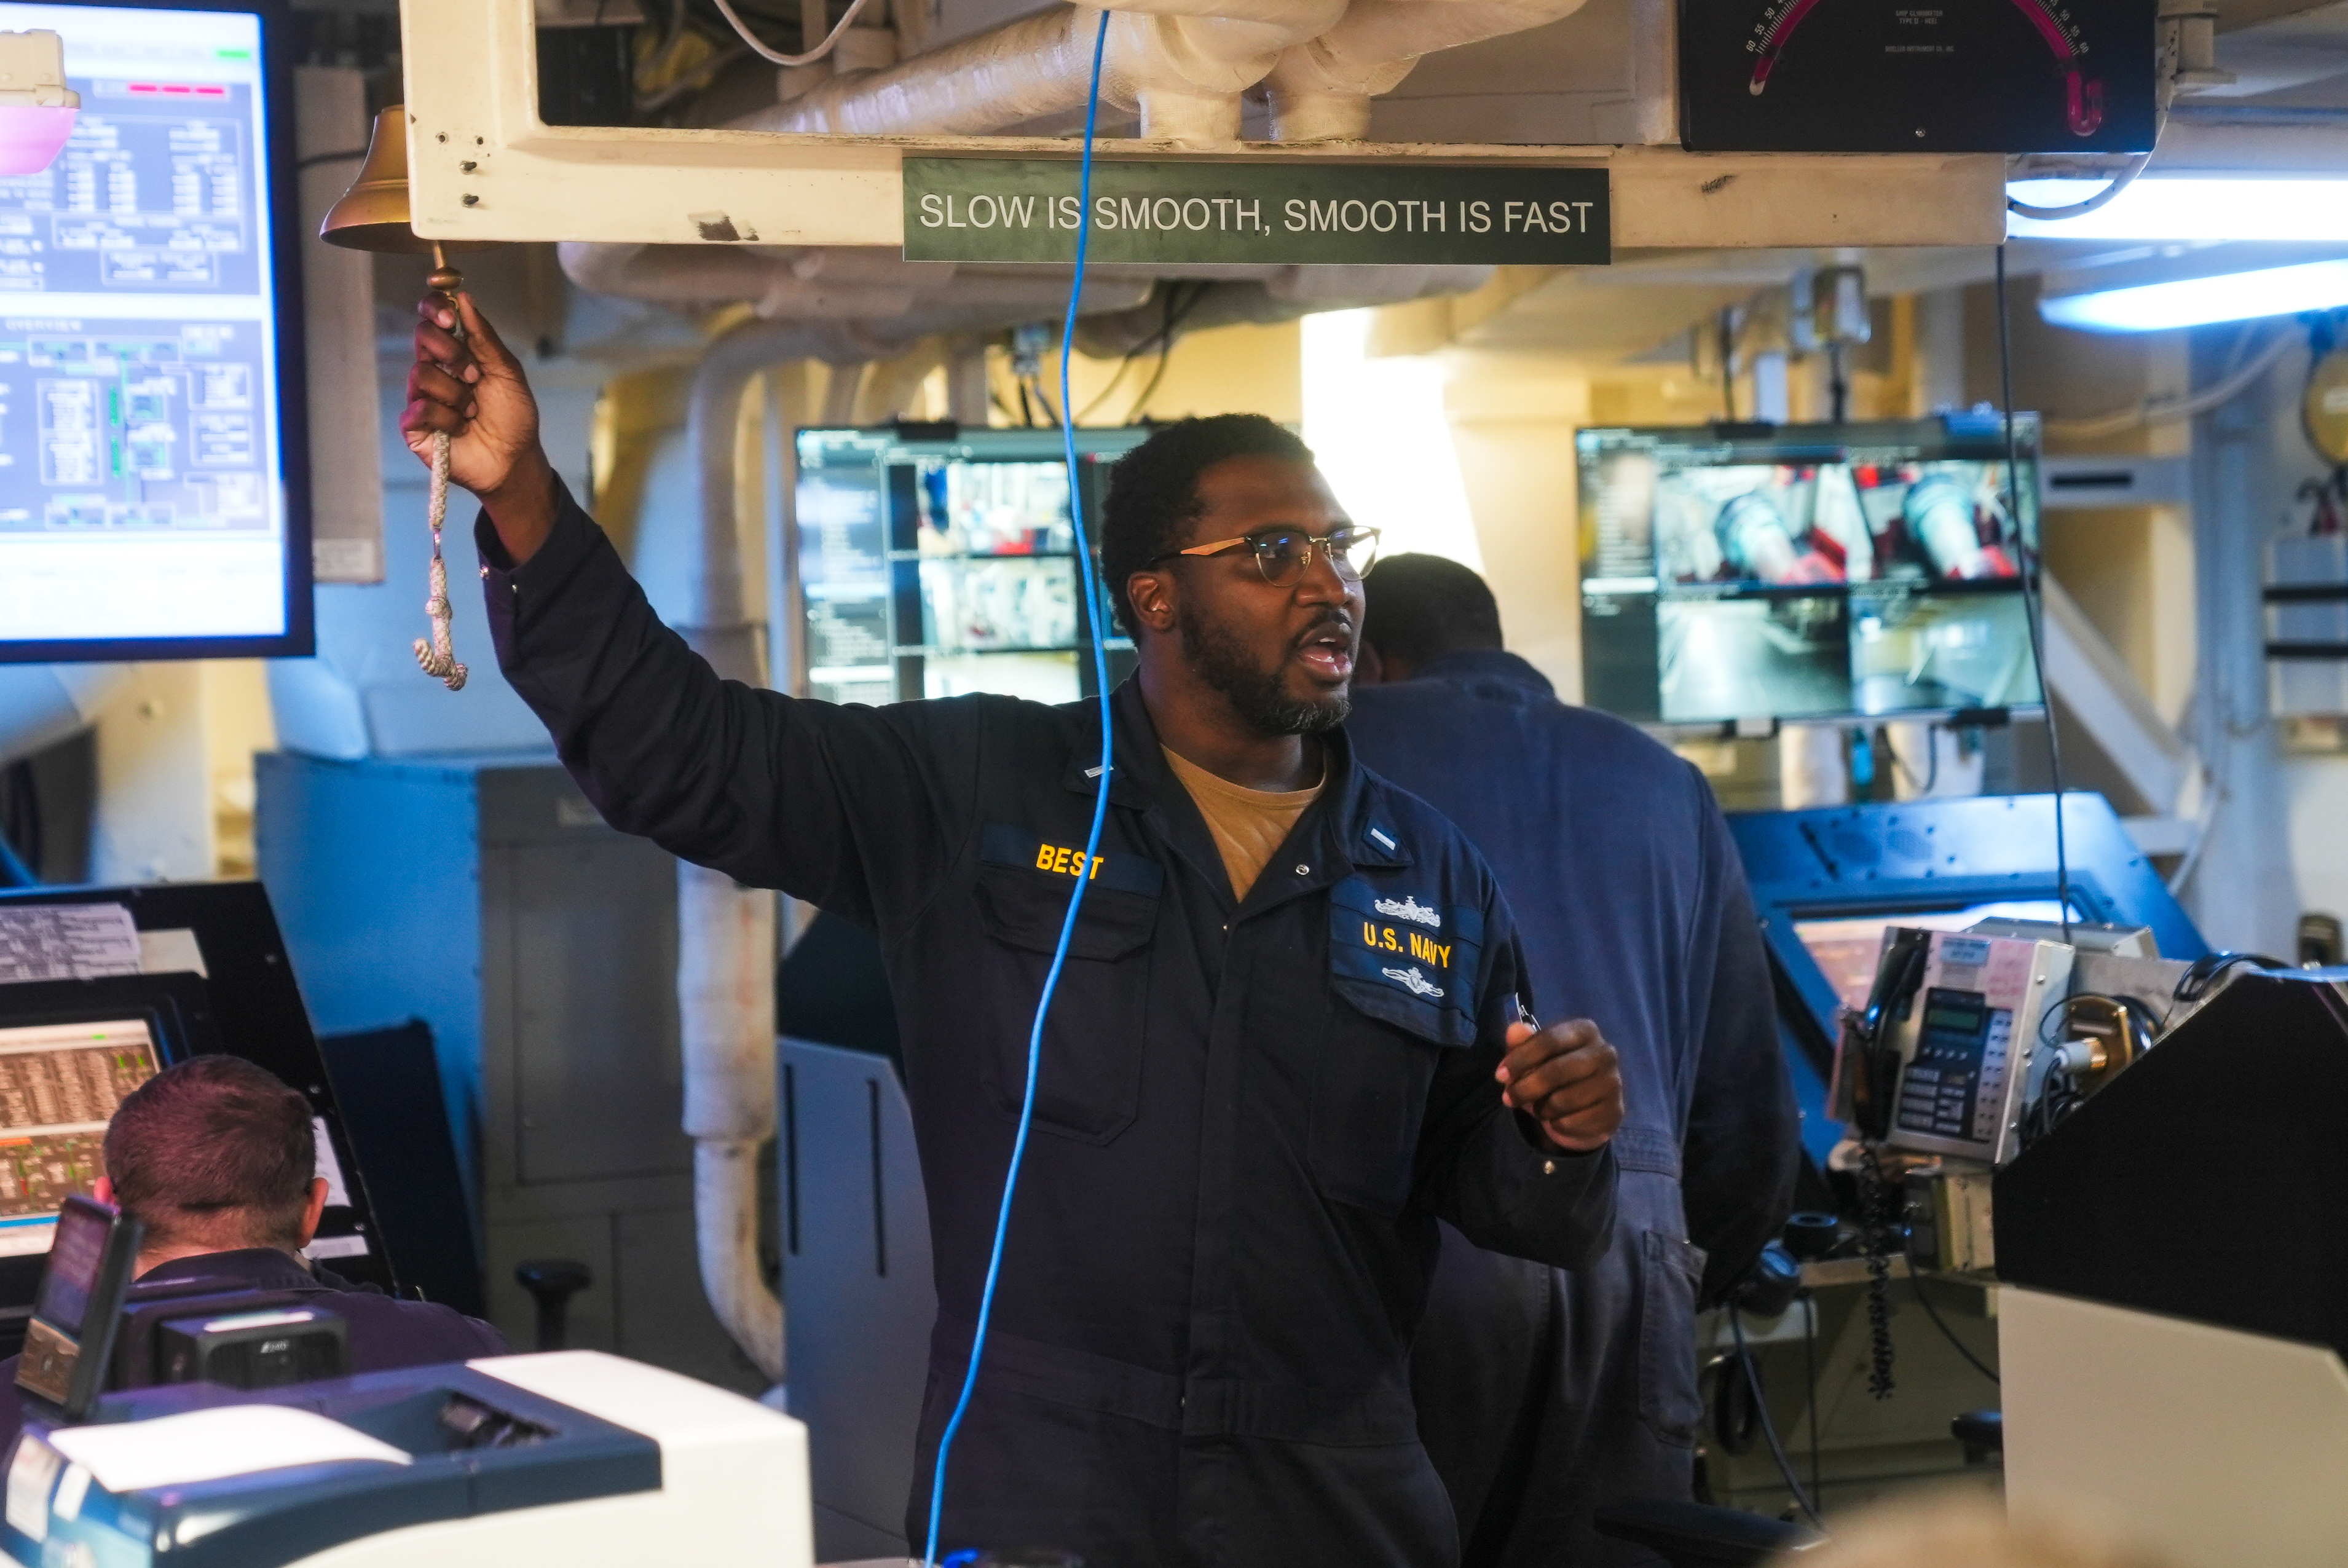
438	657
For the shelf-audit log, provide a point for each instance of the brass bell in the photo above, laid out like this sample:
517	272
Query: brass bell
373	213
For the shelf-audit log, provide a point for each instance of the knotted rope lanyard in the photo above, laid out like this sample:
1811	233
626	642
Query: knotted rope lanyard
438	657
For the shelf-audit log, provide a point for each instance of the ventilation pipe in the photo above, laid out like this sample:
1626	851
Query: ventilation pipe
1181	64
1321	90
725	932
853	302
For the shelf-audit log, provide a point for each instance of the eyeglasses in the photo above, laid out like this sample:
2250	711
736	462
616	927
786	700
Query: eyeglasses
1283	554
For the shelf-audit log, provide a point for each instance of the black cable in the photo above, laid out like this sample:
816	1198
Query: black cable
1727	369
1838	386
1811	1365
1174	318
1026	409
1932	744
1874	1227
1051	415
1768	1426
2033	601
1916	1279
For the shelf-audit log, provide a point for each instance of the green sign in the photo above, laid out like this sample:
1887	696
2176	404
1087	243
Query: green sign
1285	213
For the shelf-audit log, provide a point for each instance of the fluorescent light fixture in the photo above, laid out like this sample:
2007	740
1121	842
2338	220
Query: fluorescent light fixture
2198	302
2161	207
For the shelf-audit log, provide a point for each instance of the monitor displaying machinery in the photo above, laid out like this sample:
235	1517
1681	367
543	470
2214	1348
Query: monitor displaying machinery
1809	572
935	562
154	486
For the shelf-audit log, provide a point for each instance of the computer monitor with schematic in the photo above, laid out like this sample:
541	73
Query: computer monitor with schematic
100	989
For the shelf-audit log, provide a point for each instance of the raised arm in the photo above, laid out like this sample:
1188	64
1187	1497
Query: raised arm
854	809
474	391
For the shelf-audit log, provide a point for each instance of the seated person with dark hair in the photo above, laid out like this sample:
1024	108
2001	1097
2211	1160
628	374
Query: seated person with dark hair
218	1160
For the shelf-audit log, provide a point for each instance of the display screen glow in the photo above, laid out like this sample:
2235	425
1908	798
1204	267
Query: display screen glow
2201	302
141	477
2162	207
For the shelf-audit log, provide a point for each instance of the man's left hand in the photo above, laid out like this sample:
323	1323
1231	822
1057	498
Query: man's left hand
1568	1078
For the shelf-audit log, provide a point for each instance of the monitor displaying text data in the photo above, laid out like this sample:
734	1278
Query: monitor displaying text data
153	494
1806	572
59	1084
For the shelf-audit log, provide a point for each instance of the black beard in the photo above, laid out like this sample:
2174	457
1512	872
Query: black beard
1254	693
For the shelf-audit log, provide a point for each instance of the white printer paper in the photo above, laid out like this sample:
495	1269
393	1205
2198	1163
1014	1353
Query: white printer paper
66	942
206	1445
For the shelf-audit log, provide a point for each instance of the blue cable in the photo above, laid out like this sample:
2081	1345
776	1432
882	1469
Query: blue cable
1093	607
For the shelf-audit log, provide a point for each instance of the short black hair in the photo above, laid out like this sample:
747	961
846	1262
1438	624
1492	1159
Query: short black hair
1153	491
214	1151
1417	606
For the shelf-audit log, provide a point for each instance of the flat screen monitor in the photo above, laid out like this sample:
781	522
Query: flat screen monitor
153	479
935	562
1806	572
59	1084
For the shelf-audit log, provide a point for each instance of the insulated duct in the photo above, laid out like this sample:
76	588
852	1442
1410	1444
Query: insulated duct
1181	64
40	705
1321	90
725	932
852	305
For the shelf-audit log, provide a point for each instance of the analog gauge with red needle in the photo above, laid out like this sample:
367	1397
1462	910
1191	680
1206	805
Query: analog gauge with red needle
1917	76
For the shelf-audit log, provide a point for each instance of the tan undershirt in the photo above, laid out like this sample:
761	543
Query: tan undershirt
1248	824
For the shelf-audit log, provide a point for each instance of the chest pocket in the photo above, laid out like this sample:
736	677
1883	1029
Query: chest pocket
1088	1085
1403	968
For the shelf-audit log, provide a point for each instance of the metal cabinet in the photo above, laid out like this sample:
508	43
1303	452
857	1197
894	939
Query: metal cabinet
483	895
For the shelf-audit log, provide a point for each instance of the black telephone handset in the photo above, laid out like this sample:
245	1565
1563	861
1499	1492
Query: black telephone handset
1875	1087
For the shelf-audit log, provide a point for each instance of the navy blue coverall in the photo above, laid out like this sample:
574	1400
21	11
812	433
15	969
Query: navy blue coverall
1632	905
1249	1117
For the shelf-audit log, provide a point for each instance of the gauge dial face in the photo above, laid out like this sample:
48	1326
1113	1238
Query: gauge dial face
1917	76
2324	407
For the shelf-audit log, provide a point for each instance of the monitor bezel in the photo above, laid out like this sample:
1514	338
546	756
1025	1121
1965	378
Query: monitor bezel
1813	441
299	639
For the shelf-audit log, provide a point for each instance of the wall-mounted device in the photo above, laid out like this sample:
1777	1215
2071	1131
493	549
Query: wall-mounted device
1998	76
1940	1061
157	502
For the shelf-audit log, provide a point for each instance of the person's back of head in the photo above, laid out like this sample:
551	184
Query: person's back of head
212	1155
1418	606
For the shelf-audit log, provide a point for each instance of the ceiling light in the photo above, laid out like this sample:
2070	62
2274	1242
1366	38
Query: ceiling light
2199	301
2162	207
37	108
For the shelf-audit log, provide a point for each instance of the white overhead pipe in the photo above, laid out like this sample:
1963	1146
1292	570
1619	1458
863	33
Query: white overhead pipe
863	294
1182	64
1321	90
40	705
725	932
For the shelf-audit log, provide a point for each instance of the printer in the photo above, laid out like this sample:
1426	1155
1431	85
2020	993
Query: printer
571	1456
